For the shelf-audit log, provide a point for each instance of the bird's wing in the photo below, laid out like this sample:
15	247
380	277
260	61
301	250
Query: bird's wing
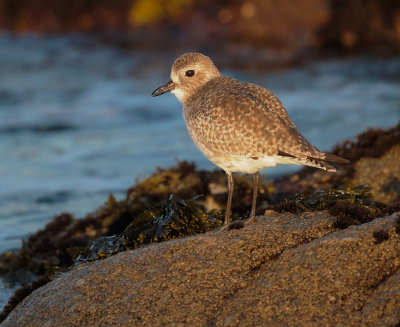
232	129
234	120
272	103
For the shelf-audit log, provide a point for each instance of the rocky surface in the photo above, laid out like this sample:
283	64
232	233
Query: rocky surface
281	270
374	155
382	174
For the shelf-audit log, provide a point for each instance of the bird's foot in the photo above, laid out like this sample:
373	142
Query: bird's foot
250	220
239	224
225	227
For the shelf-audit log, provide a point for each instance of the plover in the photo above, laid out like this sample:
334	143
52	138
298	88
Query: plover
240	127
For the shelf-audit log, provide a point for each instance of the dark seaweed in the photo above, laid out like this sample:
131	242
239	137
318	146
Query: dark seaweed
326	199
380	236
22	293
398	225
170	219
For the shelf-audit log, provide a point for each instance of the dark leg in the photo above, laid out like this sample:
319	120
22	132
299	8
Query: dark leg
256	177
230	192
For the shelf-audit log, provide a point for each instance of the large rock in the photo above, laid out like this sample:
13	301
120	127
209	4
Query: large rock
383	174
282	270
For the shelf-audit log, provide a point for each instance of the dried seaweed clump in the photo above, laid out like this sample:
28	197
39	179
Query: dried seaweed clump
372	143
380	236
42	252
398	225
348	214
185	181
22	293
48	250
170	219
350	206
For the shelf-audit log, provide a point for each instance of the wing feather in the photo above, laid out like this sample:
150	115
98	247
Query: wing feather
241	119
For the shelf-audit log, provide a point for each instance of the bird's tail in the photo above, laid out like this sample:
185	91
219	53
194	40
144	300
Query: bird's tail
326	162
319	160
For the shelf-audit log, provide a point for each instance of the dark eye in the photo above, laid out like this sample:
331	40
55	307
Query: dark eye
189	73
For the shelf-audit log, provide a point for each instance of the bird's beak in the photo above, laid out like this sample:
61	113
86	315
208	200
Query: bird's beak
168	87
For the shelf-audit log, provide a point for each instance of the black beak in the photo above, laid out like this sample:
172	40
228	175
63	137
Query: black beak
168	87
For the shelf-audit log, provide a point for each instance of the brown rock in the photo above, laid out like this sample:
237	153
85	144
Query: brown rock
383	174
284	270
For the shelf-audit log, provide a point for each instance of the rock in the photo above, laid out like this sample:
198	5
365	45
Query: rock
284	270
383	174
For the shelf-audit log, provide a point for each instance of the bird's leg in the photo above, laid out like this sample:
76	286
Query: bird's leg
230	193
256	177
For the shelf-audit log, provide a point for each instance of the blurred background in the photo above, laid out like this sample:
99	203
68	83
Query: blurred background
77	121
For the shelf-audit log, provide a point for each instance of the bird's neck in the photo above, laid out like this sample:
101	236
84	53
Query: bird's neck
180	94
186	96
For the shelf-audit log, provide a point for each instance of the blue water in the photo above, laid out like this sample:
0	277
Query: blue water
77	121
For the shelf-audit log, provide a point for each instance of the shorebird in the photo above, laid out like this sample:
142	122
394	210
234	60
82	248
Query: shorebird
240	127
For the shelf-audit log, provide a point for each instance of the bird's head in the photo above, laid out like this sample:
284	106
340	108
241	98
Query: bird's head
189	72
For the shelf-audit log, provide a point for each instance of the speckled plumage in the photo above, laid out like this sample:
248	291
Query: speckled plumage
239	126
231	121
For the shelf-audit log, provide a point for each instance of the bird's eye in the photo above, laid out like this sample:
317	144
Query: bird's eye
189	73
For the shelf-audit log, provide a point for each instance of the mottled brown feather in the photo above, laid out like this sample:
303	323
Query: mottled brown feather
245	120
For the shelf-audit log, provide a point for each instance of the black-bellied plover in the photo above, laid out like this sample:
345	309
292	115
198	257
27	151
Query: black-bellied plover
241	127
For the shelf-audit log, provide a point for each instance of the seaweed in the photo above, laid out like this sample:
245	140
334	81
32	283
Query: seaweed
236	225
350	206
391	208
101	248
22	293
170	219
52	249
328	198
380	236
185	181
348	214
398	225
286	205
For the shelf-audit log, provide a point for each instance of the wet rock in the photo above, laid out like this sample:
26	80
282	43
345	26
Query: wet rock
283	270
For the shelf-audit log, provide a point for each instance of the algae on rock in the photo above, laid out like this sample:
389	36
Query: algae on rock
173	218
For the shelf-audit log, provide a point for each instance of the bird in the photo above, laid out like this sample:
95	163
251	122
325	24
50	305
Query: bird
239	126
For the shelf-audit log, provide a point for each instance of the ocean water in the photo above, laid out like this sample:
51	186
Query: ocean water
77	121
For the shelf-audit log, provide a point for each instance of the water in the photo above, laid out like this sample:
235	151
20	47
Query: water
77	121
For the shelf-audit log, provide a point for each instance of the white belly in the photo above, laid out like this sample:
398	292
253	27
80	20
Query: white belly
232	163
235	163
244	165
